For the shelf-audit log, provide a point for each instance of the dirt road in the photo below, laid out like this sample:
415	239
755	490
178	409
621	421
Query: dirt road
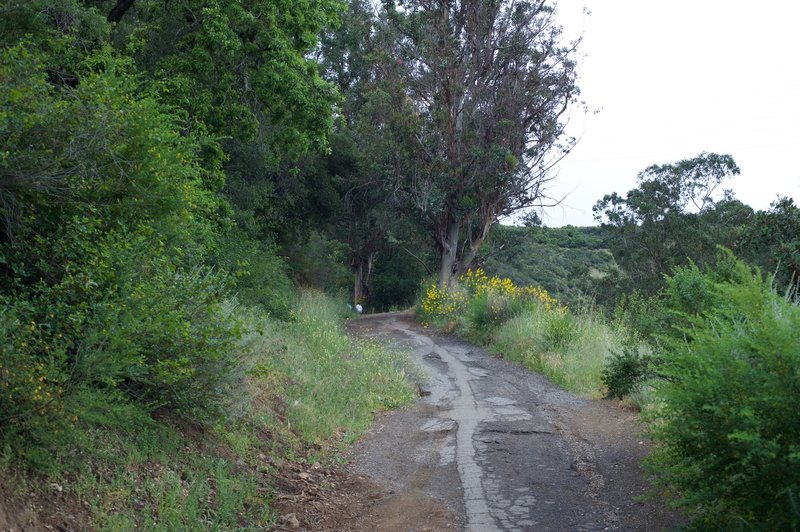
491	446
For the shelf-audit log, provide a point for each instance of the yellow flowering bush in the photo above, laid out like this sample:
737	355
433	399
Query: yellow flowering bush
442	302
478	283
493	299
541	296
474	280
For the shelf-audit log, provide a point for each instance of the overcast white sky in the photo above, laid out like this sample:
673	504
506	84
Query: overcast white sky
675	78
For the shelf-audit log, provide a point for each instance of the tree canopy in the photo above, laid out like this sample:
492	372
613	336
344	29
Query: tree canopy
487	86
677	213
772	241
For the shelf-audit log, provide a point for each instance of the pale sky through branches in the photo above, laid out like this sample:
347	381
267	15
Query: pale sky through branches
674	78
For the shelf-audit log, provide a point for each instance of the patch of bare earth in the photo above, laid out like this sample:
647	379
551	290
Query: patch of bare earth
25	510
336	499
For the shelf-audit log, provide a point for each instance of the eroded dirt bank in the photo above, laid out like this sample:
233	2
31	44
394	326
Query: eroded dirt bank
489	446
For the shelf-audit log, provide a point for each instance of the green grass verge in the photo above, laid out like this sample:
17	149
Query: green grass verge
335	382
307	391
570	349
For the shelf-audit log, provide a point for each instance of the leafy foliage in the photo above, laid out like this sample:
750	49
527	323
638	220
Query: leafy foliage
156	158
237	68
153	155
675	215
665	318
626	371
108	215
772	241
670	188
647	316
725	416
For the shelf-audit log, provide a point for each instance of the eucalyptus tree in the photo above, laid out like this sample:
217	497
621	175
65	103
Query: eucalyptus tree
678	212
772	241
488	85
369	145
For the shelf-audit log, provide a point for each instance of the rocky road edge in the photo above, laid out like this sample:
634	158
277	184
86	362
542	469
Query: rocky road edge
336	499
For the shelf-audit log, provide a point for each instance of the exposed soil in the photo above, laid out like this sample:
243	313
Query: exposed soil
340	499
489	446
34	511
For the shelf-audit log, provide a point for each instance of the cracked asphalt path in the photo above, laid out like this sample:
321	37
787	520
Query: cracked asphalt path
500	447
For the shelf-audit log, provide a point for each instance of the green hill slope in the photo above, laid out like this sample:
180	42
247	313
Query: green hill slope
566	261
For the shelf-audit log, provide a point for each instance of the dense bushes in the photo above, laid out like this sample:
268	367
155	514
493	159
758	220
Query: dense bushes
130	319
109	212
150	337
724	376
725	411
665	318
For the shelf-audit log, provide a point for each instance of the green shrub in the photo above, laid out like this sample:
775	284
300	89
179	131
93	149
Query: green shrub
726	417
692	291
134	319
487	311
120	326
645	315
107	218
625	371
260	275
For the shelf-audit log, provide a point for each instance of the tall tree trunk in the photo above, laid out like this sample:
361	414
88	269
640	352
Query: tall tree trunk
362	269
475	245
449	254
358	283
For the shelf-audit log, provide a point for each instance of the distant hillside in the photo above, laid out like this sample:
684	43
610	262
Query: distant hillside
564	260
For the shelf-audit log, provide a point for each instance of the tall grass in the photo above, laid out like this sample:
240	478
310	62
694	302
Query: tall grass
570	349
331	384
